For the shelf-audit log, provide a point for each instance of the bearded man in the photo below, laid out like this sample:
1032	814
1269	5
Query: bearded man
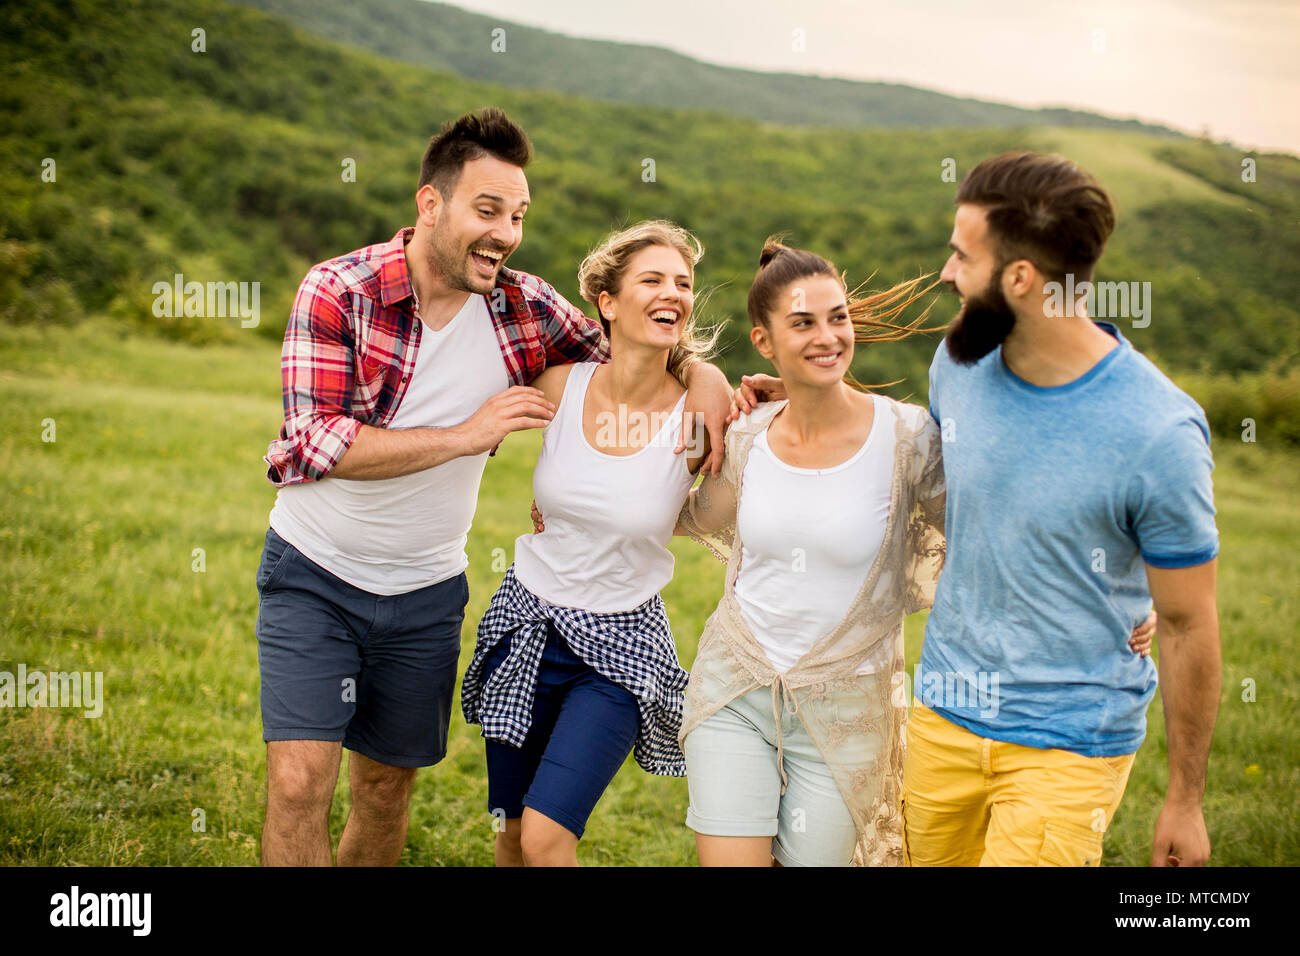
1078	494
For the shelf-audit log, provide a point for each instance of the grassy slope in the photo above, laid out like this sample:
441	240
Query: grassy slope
1127	164
226	166
157	453
444	37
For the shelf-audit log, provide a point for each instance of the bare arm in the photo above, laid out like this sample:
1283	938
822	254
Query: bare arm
551	382
388	453
1190	675
708	398
698	450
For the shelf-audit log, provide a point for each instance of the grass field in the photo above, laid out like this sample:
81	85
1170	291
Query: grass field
1128	165
157	453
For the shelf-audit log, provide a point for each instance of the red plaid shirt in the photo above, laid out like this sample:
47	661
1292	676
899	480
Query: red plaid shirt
349	350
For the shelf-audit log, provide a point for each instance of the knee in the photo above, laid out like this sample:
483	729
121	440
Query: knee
510	833
542	847
386	790
508	849
300	788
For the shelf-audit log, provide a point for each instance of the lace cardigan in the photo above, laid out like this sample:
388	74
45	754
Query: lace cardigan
857	721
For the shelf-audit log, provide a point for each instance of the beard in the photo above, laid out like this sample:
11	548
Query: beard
984	321
450	261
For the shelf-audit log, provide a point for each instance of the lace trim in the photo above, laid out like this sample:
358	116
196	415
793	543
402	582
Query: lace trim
857	721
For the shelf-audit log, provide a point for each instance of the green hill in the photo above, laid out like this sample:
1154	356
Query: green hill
226	166
444	37
131	540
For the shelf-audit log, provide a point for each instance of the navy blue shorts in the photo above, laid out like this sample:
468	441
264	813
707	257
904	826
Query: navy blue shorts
583	728
338	663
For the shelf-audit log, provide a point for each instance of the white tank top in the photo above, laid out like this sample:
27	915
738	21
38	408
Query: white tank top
608	518
395	535
810	536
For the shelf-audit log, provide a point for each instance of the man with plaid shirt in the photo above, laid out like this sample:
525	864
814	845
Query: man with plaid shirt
404	364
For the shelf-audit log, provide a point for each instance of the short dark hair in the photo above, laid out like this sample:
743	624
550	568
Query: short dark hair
1042	208
488	132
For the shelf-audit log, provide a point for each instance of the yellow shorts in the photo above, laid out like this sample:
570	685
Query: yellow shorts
972	801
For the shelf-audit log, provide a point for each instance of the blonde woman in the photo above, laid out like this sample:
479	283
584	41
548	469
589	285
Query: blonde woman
575	663
829	510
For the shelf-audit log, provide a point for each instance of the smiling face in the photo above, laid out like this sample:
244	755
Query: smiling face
654	300
808	336
985	318
472	232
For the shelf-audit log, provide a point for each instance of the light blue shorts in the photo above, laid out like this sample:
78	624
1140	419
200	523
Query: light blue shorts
735	785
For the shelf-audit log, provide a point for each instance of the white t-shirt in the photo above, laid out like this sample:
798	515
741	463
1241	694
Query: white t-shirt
608	518
395	535
809	539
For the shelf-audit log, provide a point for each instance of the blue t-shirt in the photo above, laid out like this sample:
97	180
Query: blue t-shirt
1056	498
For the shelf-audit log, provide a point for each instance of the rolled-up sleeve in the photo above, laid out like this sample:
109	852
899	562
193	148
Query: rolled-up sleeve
316	368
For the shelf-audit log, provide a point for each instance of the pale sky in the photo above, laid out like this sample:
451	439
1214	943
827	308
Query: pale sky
1232	66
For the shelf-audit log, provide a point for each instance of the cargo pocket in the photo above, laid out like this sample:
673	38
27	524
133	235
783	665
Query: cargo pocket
1066	844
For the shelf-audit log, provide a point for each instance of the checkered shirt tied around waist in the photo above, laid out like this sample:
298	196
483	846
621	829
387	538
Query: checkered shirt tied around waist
634	649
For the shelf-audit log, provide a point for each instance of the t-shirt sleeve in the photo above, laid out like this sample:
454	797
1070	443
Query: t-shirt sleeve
1171	499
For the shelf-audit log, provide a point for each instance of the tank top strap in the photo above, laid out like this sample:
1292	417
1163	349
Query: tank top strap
569	415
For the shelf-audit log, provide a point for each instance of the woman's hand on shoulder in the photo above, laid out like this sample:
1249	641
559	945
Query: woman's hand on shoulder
752	390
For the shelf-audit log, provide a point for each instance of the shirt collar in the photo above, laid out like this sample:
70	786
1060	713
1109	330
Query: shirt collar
394	279
1113	329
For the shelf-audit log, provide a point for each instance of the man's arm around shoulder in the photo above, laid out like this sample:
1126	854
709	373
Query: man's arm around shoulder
323	438
391	453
